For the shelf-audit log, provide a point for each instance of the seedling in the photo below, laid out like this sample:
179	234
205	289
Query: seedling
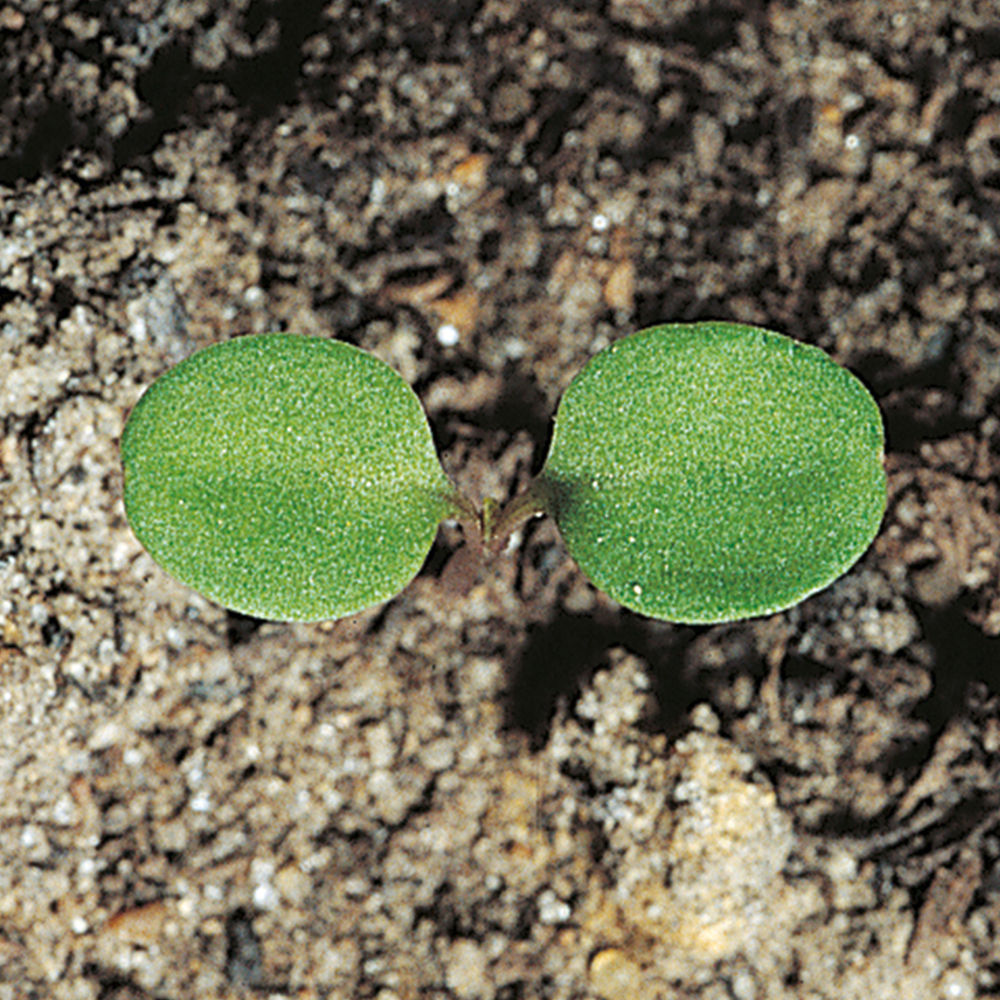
698	473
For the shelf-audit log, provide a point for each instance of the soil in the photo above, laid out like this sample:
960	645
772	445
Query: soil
515	790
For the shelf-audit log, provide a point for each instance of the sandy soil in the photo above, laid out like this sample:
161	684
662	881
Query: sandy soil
519	791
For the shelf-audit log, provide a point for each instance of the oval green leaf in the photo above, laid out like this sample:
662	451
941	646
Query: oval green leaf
286	477
709	472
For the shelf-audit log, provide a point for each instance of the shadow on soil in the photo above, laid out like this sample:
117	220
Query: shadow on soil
559	656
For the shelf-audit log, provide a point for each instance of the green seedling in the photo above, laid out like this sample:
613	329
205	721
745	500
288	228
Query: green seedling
285	477
698	473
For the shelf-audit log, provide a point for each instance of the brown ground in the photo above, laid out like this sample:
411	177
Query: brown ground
521	791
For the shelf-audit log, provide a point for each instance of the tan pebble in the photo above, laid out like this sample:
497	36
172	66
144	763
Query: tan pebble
471	172
11	19
709	141
619	289
567	938
421	293
140	925
831	113
614	975
79	788
461	310
293	883
563	269
466	972
8	452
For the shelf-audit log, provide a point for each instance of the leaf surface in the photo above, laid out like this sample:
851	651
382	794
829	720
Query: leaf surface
286	477
709	472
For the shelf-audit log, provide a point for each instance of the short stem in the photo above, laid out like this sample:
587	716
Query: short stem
463	509
462	568
498	524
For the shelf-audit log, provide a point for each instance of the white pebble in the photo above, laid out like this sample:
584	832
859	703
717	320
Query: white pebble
447	335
